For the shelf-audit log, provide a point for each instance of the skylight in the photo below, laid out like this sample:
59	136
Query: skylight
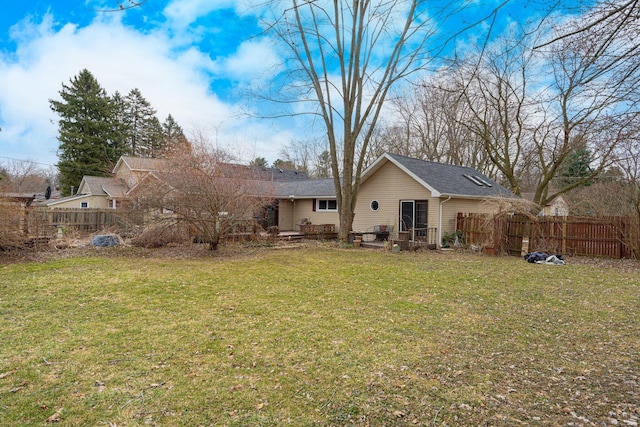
477	180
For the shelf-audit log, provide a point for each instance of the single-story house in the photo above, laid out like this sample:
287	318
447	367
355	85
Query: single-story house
93	192
404	194
306	201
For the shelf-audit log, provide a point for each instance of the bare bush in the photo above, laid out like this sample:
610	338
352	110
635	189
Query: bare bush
204	192
161	234
11	235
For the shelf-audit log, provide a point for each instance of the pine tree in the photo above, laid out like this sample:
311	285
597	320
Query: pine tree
88	131
174	140
576	167
144	132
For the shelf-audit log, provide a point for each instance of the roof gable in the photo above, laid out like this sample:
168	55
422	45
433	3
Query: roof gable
140	164
442	179
101	186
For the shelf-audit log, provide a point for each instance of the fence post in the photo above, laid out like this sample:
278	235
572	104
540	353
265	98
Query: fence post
564	235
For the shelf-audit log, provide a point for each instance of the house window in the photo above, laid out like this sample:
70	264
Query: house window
374	205
326	205
84	204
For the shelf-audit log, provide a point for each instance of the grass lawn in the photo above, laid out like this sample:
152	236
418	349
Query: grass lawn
317	336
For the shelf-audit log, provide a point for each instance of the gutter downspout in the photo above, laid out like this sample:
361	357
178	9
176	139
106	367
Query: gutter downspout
440	221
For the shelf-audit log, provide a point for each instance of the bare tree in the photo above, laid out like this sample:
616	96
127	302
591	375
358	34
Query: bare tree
309	155
494	87
25	177
348	57
533	108
202	190
433	126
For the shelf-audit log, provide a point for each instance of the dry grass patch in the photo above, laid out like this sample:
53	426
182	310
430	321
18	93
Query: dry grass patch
317	336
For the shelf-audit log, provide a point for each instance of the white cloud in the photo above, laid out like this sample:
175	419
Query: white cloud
175	81
182	13
252	60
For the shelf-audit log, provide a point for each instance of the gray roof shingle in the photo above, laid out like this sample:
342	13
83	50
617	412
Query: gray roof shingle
102	186
305	188
450	180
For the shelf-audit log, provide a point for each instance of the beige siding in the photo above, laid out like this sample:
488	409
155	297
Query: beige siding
304	209
94	202
389	185
129	177
285	216
558	207
290	215
451	208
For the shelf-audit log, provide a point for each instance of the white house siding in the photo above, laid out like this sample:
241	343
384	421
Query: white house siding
388	186
558	207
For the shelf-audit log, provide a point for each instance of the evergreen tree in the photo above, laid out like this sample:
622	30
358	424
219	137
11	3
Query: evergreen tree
259	162
88	131
173	138
576	166
144	132
323	169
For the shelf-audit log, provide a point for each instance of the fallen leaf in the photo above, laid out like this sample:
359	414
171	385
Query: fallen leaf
55	418
6	374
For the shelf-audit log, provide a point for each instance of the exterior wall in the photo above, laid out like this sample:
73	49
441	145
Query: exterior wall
290	214
129	177
451	208
558	207
82	189
304	209
389	185
285	215
94	202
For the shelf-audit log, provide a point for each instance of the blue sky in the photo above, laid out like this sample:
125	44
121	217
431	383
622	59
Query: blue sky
193	59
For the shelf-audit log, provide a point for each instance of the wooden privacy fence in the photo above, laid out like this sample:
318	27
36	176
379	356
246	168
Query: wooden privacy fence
609	237
84	220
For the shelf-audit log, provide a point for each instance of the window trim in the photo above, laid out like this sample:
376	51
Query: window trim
84	205
327	209
377	206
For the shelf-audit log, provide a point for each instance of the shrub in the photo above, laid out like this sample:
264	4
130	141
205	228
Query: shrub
449	239
161	234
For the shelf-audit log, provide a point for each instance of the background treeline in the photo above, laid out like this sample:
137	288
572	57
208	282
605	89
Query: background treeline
96	128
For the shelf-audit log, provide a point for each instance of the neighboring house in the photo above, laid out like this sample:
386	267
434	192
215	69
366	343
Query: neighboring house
108	192
556	207
131	170
93	192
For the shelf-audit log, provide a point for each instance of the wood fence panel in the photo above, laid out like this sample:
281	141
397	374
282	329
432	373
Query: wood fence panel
84	220
610	237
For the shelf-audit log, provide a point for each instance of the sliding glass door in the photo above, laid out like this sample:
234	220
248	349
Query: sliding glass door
413	217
